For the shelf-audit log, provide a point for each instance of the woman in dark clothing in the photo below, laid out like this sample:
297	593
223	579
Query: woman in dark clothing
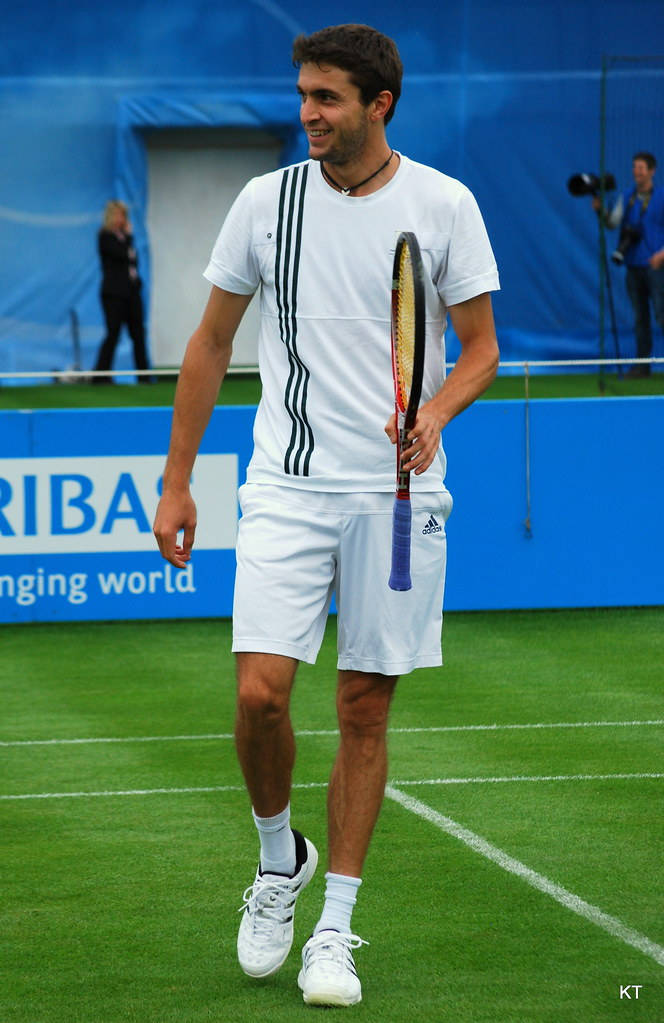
120	290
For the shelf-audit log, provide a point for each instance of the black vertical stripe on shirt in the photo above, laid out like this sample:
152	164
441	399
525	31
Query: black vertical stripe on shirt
287	265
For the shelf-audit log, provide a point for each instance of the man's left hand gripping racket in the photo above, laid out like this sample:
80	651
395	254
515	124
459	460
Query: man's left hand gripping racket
408	314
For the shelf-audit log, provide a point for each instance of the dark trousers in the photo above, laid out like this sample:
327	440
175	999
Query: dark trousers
645	285
119	311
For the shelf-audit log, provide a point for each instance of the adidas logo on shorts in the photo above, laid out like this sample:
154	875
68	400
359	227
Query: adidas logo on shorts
432	527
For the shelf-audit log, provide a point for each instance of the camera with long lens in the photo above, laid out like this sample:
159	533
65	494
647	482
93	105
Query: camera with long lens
593	184
629	235
590	184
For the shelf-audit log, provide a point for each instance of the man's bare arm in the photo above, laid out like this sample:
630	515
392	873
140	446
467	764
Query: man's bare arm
474	370
205	363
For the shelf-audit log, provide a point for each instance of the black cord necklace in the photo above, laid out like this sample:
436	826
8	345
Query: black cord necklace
351	188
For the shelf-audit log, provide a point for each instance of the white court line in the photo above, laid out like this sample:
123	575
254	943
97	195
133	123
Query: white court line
335	731
616	928
526	777
150	792
323	784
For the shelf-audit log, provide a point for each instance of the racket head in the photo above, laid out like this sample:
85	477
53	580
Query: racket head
408	326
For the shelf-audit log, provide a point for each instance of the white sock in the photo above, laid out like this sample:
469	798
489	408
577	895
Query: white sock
277	843
340	896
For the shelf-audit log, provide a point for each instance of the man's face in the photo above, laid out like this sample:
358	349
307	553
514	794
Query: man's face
332	114
643	175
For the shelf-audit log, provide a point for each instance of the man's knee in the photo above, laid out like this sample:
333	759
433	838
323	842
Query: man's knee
256	699
264	684
363	702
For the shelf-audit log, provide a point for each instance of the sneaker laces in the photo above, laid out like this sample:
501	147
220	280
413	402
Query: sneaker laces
333	946
268	903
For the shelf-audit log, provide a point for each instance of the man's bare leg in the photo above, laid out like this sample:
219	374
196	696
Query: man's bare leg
266	752
263	732
355	795
357	785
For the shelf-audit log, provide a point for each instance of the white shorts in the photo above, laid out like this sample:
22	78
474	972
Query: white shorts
296	548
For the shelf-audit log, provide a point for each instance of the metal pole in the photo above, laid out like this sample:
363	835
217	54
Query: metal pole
600	218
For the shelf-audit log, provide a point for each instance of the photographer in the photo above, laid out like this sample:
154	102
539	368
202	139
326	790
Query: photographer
639	213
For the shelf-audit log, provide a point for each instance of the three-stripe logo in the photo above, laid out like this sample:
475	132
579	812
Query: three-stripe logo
286	273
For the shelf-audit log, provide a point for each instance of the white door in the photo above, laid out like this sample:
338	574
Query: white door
193	177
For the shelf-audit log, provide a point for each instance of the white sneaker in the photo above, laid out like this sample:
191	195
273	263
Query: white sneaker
328	975
266	931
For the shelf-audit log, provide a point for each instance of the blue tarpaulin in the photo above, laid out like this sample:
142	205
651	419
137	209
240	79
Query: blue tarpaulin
503	96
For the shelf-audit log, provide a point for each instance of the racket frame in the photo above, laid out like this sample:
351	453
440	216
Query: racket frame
406	416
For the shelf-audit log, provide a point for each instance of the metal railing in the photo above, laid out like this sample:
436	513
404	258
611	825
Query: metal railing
88	376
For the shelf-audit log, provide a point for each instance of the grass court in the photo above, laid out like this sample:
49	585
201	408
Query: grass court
514	876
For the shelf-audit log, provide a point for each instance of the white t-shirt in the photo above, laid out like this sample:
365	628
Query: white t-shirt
323	262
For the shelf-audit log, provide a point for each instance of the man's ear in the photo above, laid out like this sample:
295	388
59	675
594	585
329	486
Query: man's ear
380	105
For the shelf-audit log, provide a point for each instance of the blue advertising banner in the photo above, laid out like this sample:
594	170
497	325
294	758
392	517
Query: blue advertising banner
78	495
555	505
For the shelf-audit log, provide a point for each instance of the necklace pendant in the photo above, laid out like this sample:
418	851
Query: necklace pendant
345	191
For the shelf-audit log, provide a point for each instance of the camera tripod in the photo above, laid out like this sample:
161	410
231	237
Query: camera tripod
609	292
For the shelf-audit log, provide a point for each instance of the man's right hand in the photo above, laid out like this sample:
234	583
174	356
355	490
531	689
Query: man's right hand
176	512
203	367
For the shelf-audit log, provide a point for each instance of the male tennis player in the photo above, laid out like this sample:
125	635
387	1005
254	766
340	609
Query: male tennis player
318	239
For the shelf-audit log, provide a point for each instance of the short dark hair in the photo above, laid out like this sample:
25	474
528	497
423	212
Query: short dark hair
647	158
371	58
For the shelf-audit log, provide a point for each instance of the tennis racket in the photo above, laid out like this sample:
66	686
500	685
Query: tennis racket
407	368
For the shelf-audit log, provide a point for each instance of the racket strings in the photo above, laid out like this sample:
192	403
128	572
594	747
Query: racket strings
405	328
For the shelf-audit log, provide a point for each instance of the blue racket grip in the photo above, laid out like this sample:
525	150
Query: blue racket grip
400	574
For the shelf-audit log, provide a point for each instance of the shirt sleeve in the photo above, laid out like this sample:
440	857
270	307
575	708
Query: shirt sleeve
233	265
470	269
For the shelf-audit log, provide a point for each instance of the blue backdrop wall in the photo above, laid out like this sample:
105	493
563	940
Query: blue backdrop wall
78	492
504	95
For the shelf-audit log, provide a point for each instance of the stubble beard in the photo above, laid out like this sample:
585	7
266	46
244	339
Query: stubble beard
349	147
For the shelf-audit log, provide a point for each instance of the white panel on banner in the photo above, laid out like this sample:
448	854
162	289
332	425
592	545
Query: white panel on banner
107	503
